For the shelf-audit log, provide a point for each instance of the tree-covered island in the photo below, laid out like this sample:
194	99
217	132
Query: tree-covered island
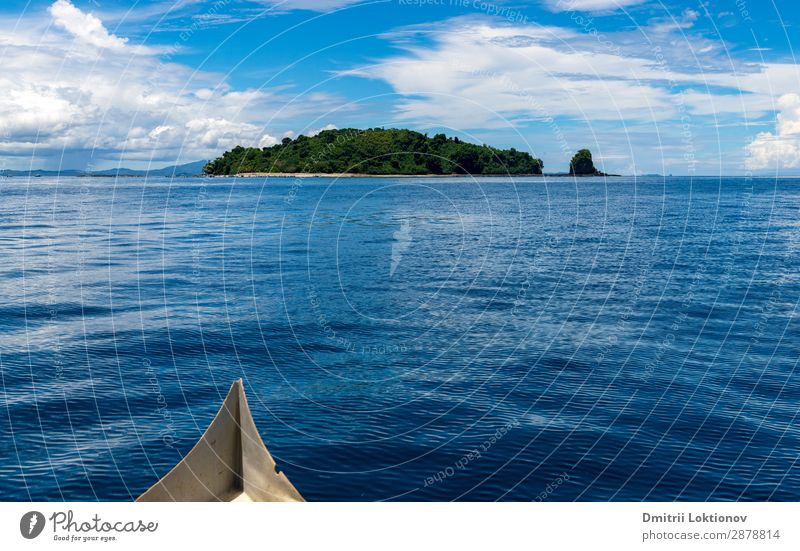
375	151
583	165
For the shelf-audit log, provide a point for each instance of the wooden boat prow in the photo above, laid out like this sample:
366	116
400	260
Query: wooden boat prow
229	463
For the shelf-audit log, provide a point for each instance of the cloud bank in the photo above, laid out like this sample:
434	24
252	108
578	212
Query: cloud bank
781	149
74	89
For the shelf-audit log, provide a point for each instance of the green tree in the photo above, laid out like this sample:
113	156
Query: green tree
375	151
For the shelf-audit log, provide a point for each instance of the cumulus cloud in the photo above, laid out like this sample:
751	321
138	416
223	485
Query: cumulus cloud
70	85
83	26
315	131
781	149
196	134
267	140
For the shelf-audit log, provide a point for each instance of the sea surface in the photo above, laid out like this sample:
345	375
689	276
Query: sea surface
406	339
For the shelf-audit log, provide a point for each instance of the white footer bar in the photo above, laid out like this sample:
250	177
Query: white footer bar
390	526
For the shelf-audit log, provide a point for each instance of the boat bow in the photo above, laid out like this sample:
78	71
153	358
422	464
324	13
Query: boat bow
229	463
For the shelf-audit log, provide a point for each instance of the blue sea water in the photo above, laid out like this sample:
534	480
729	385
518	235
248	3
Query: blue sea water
411	339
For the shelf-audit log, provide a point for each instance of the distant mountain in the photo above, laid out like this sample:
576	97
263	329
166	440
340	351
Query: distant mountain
42	173
188	169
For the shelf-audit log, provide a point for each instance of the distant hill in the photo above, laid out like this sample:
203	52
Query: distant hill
375	151
42	173
188	169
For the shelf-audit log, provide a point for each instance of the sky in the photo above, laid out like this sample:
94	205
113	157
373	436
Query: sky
683	88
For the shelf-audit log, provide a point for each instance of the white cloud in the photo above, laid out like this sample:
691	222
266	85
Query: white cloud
267	141
205	133
315	131
311	5
104	101
478	73
481	76
590	5
83	26
482	73
782	149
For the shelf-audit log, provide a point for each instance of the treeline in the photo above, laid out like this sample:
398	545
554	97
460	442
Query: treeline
375	151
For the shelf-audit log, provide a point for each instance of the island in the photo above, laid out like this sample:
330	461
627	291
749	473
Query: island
583	165
374	152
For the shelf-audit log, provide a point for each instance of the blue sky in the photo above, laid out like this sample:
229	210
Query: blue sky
649	86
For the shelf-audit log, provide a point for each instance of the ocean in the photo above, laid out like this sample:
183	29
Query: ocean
543	339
